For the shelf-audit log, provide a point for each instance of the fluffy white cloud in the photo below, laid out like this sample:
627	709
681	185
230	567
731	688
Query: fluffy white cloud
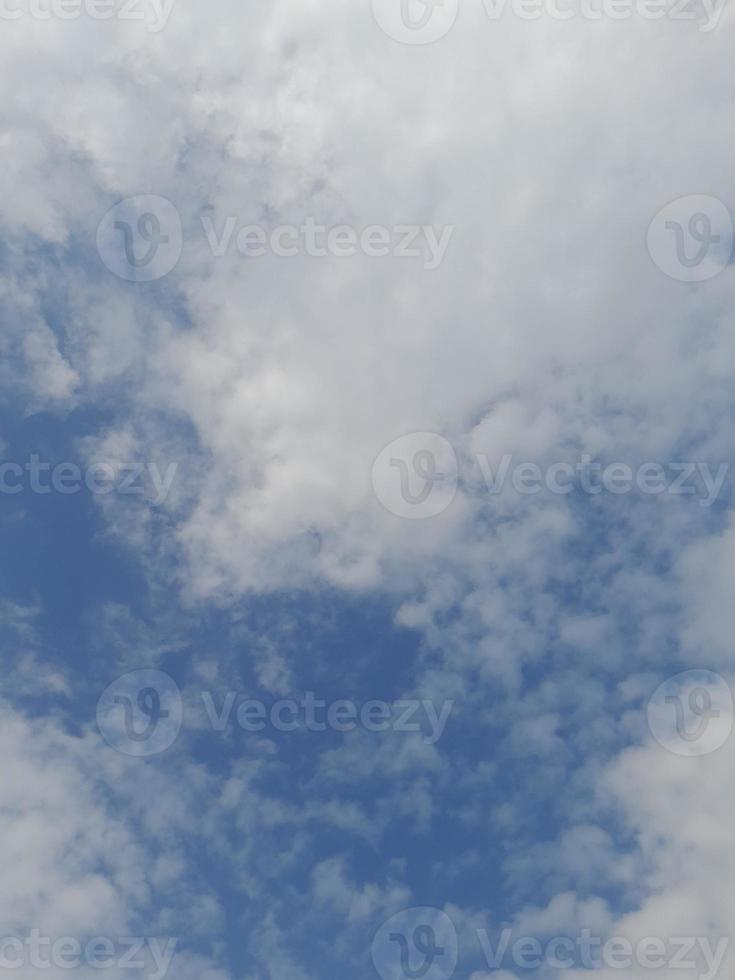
679	812
547	332
78	862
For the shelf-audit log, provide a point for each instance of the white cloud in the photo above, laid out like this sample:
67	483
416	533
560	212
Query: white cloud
547	331
547	323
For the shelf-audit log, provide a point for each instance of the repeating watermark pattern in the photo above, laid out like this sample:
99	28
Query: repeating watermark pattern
691	238
692	713
154	14
422	943
100	478
426	21
418	475
142	712
417	944
149	956
141	239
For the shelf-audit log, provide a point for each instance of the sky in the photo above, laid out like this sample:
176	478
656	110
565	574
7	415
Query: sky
366	510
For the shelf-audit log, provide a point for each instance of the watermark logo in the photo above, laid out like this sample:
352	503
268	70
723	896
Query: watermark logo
100	478
707	13
148	956
422	943
417	944
337	241
416	476
587	951
153	13
691	714
140	714
415	21
425	21
140	239
691	239
312	714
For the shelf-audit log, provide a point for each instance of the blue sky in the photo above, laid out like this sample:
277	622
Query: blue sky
372	360
482	820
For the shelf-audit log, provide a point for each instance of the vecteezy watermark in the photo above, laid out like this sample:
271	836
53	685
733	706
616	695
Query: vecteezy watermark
99	478
312	714
691	238
417	944
418	475
588	951
339	241
153	13
692	713
415	21
141	239
149	956
426	21
422	944
141	714
709	11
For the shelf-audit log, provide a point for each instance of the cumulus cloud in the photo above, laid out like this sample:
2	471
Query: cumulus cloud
546	332
76	865
546	329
